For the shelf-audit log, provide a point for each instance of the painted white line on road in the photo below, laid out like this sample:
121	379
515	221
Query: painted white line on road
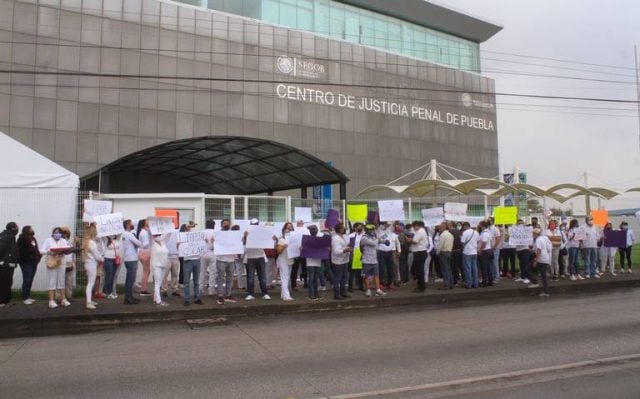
465	381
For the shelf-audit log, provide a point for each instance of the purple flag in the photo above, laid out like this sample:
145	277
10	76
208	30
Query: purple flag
332	219
615	239
316	247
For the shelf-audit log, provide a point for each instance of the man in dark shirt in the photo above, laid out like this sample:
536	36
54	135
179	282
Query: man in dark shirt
8	261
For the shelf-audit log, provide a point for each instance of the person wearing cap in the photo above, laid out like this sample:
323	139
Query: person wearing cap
590	249
9	259
544	249
255	262
369	243
191	269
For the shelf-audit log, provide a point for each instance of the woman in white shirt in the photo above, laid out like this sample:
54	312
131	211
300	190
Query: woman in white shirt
55	274
284	262
144	255
159	262
91	259
111	254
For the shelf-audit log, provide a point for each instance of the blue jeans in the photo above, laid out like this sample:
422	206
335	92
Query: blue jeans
590	259
445	267
339	279
109	273
28	273
313	272
256	265
486	267
132	269
496	264
191	267
385	267
470	265
573	260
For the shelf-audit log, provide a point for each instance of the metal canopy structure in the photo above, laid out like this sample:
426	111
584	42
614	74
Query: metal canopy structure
215	165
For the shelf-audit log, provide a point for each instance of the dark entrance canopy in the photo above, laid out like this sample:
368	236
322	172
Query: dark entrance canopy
215	165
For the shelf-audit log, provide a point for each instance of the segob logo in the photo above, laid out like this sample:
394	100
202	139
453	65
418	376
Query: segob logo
285	64
467	101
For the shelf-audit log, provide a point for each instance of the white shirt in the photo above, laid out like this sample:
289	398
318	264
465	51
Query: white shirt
419	241
487	237
357	237
92	252
145	239
130	245
160	253
496	234
544	245
284	256
554	233
470	241
572	243
630	238
51	243
592	237
338	245
388	234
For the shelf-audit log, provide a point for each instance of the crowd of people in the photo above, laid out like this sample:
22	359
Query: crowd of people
374	258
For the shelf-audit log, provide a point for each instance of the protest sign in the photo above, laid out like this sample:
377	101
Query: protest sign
160	225
293	248
228	242
474	220
505	215
356	255
455	211
192	248
520	235
600	217
579	234
94	208
432	216
615	239
316	247
357	212
301	213
109	225
260	237
332	218
391	210
192	236
243	224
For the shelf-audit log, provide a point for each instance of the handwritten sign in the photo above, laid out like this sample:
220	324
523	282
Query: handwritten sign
192	236
260	237
93	208
391	210
505	215
455	211
192	248
160	225
228	243
109	225
301	213
432	216
580	234
520	235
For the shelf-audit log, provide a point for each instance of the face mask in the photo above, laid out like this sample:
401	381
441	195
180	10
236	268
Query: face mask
57	236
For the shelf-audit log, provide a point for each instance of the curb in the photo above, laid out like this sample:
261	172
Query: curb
76	324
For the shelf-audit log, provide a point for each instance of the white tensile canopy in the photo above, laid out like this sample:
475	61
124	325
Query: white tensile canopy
35	191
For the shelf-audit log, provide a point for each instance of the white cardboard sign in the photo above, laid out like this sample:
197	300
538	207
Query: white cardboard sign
228	242
160	225
109	225
391	210
93	208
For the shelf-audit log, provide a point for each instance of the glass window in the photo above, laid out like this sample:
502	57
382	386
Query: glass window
394	34
352	26
271	11
305	15
322	18
367	35
336	20
288	13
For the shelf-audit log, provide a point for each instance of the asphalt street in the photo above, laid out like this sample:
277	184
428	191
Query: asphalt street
347	354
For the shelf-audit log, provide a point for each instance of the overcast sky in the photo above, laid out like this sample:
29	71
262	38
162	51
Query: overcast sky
556	141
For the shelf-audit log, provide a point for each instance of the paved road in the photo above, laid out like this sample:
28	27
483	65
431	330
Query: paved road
324	355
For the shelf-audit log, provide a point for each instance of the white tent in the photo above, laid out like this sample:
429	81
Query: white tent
35	191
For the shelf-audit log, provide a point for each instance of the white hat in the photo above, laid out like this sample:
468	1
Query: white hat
254	221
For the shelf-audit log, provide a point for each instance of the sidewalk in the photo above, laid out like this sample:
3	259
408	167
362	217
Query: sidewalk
19	320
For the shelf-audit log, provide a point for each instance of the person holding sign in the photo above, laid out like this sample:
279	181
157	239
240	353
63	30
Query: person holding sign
355	260
159	263
313	268
91	259
255	261
54	248
589	249
555	236
486	254
226	265
144	255
340	251
544	249
191	269
523	252
130	245
284	262
573	246
112	261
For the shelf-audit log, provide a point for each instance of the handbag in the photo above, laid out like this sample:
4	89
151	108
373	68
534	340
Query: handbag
54	261
117	260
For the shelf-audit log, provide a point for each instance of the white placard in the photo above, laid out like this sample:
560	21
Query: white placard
243	224
474	220
109	225
228	242
391	210
455	211
520	235
192	236
260	237
94	208
301	213
277	228
295	242
432	216
160	225
580	234
193	248
302	230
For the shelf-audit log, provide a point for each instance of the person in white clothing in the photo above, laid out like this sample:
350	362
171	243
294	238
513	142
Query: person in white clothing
225	268
284	262
340	253
418	247
130	245
170	282
55	266
208	268
469	242
544	249
91	259
159	263
555	237
144	255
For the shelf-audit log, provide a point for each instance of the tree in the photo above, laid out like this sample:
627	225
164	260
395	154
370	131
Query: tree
534	206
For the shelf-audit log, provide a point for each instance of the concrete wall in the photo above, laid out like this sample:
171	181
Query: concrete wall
83	122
